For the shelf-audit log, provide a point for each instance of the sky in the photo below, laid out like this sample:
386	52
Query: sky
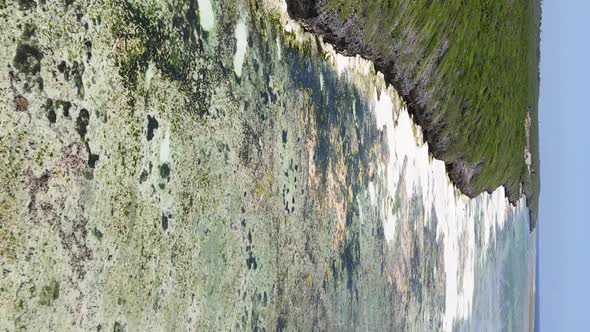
564	224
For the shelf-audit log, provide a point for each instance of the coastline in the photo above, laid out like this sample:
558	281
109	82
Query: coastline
345	34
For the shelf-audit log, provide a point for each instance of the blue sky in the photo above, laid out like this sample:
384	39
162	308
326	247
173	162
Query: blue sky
564	224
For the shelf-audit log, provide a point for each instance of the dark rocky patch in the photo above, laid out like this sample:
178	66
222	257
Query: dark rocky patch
62	67
151	127
164	222
119	327
37	185
49	293
350	256
143	176
88	47
97	233
251	262
65	106
92	159
77	72
281	324
82	122
28	31
165	171
51	116
40	82
28	59
49	109
26	4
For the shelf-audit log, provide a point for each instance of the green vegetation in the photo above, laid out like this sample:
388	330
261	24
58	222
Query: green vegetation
471	66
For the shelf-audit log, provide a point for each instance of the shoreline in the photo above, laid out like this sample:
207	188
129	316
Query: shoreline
345	36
